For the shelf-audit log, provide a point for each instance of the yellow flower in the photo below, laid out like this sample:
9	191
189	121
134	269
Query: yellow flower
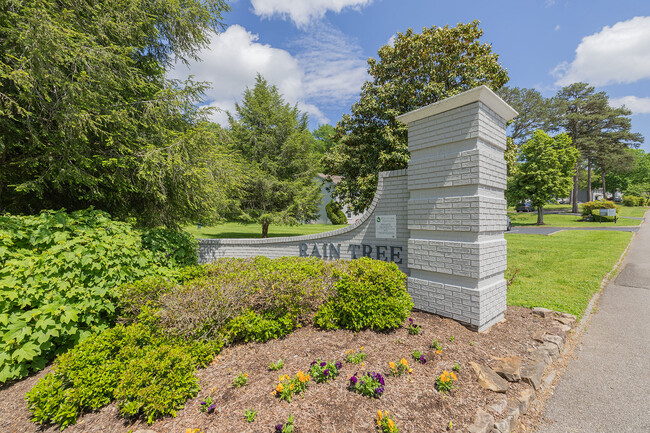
246	375
379	423
438	352
280	387
291	387
379	414
361	348
391	365
453	376
410	370
403	362
391	424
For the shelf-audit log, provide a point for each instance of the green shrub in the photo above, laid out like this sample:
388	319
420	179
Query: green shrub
173	248
335	213
251	326
58	272
147	373
372	294
640	201
629	200
288	289
589	207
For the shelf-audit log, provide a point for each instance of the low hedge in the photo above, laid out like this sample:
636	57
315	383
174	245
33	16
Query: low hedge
631	200
589	207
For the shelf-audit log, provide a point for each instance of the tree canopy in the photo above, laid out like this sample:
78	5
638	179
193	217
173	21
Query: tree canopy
88	117
416	70
546	170
599	132
273	139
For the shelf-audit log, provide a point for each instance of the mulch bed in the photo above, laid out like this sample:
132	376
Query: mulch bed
412	400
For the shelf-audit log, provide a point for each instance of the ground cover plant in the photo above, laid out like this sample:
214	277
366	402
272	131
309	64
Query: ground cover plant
562	271
184	325
58	274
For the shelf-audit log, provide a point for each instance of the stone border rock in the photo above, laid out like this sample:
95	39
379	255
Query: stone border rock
549	344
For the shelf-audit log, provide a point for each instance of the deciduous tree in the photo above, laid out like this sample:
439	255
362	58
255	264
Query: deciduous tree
546	170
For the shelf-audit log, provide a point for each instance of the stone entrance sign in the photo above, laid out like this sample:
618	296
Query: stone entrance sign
441	220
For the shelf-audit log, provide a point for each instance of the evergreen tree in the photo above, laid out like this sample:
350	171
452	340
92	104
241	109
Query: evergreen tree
88	117
273	138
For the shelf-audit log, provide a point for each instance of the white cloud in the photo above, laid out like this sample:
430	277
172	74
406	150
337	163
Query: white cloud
327	71
617	54
334	66
302	12
557	27
635	104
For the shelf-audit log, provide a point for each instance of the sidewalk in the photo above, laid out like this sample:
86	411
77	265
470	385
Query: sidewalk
607	387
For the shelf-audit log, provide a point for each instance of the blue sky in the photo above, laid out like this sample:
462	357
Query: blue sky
315	51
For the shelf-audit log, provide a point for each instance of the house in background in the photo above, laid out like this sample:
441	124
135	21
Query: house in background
328	182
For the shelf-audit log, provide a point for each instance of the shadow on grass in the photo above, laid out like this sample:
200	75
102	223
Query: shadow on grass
239	235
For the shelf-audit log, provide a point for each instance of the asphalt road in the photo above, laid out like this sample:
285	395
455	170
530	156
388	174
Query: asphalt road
606	388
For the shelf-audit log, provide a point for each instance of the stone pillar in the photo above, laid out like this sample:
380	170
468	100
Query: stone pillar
456	209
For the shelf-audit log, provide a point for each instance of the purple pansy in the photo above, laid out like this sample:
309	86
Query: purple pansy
323	364
326	372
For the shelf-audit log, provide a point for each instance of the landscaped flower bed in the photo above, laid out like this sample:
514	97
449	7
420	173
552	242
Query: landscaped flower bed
412	400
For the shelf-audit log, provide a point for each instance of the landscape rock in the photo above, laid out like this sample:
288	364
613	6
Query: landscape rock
565	321
566	316
555	339
546	352
508	368
524	398
531	373
502	426
543	312
539	335
498	406
483	422
488	379
565	328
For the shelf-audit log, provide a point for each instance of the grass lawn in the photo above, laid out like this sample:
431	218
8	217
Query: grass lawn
236	230
559	220
564	270
636	211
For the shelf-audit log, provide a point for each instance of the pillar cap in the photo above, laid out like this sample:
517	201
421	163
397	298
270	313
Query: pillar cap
481	93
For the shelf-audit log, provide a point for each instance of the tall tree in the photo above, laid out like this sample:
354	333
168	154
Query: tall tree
273	138
87	115
416	70
546	170
601	133
534	112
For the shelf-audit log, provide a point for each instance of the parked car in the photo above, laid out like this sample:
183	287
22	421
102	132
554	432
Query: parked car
525	207
509	225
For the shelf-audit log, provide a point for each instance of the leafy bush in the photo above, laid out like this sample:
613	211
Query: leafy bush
628	200
589	207
146	373
174	248
371	294
335	213
58	272
260	290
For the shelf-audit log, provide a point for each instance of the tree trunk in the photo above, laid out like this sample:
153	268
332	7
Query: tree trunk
574	193
265	229
589	181
540	215
602	173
